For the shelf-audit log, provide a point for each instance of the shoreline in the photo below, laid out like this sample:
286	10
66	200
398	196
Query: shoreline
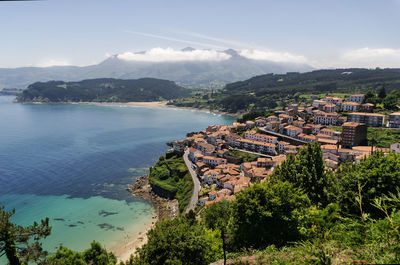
164	209
146	104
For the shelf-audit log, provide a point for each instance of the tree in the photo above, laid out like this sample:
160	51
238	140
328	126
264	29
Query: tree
382	92
178	241
95	255
307	171
216	216
377	175
267	213
21	244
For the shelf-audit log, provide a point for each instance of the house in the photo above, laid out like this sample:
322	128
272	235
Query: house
326	118
350	106
261	122
332	133
250	124
206	148
329	108
395	147
367	107
315	128
284	118
262	162
178	146
192	153
299	124
251	135
359	98
319	104
273	126
333	100
293	131
256	146
272	118
307	138
394	120
282	146
213	161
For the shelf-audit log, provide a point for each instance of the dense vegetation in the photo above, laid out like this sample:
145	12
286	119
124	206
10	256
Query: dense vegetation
307	215
171	175
103	90
277	90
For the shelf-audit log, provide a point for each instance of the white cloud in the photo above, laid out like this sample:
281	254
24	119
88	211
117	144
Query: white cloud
273	56
371	58
169	54
52	62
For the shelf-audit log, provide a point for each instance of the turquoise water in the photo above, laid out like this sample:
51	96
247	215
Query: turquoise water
72	163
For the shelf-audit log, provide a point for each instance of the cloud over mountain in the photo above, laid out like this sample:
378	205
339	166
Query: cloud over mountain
171	55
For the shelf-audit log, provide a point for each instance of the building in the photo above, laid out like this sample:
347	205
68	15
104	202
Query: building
260	137
334	134
318	103
307	138
330	108
333	100
395	147
350	106
255	146
354	134
370	119
394	120
367	107
293	131
213	161
261	122
178	147
250	124
326	118
359	98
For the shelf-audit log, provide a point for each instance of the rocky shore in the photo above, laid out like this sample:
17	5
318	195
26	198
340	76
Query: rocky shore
166	209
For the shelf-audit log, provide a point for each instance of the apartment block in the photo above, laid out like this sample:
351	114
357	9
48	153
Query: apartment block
370	119
353	134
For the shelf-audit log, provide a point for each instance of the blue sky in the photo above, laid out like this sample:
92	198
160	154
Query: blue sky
339	33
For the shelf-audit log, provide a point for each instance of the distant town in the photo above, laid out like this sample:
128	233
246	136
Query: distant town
228	158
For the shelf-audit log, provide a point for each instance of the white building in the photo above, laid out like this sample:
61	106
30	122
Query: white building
359	98
395	147
350	106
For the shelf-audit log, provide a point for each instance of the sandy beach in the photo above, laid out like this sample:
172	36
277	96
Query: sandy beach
130	244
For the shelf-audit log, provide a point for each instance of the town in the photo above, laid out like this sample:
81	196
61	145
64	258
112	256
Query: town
228	158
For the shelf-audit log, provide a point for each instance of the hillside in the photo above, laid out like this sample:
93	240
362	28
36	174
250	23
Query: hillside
103	90
273	90
194	74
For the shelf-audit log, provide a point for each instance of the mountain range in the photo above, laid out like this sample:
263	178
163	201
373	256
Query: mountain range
190	73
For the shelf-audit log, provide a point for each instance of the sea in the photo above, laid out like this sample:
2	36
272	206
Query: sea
72	163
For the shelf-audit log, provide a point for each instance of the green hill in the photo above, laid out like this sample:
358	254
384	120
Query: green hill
103	90
277	90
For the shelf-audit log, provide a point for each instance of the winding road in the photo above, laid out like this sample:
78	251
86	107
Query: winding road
196	182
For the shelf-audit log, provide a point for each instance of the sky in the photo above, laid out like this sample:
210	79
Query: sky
321	33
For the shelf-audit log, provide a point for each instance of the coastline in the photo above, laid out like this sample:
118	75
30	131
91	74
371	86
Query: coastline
145	104
165	209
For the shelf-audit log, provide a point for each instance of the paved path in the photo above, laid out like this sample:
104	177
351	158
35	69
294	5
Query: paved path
196	182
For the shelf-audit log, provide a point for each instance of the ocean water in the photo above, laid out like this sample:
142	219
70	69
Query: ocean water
72	163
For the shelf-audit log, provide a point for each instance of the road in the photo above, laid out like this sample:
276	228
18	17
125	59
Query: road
196	182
